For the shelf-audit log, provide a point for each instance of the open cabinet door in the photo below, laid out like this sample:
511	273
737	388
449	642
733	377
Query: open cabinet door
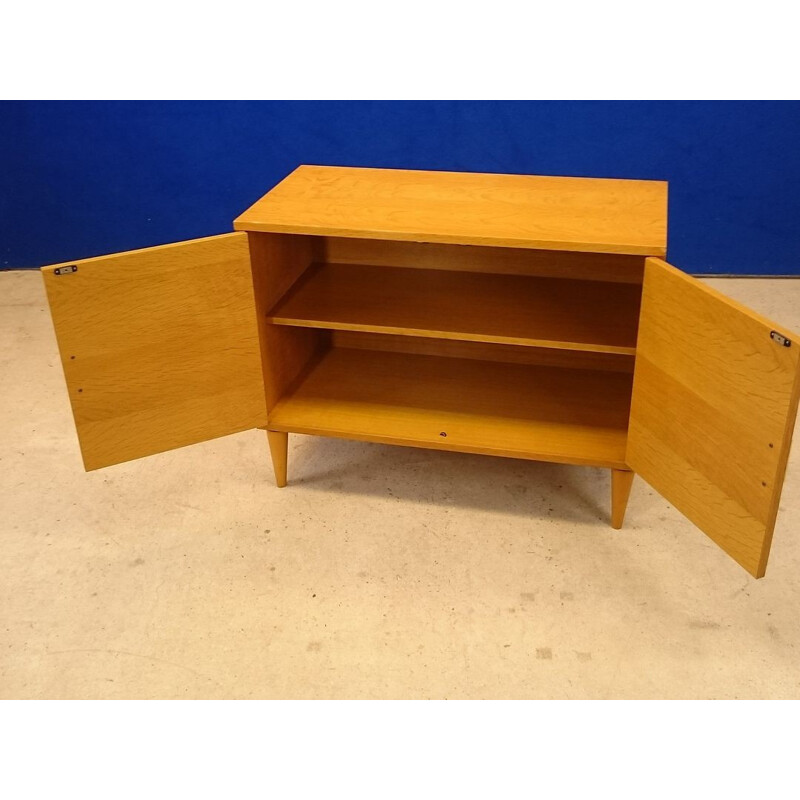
715	393
159	346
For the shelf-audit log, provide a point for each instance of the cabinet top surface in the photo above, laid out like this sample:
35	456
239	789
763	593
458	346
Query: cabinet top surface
532	211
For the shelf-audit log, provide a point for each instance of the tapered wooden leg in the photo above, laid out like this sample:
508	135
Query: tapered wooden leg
621	482
279	448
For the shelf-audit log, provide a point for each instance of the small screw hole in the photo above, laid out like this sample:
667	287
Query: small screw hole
442	434
763	483
771	445
72	357
80	390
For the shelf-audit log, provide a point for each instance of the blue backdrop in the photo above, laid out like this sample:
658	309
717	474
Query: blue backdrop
87	178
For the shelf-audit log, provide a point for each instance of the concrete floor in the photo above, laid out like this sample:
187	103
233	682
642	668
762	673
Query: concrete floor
379	572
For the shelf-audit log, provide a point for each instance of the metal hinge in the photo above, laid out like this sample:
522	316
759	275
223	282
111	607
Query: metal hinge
780	339
65	270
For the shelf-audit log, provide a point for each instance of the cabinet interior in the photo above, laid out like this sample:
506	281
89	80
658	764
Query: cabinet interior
523	353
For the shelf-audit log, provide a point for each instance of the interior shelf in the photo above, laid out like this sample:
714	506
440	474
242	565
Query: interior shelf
546	413
511	309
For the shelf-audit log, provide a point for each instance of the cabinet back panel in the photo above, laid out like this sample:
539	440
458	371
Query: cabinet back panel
476	258
510	354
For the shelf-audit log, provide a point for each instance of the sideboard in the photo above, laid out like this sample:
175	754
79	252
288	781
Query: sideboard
510	315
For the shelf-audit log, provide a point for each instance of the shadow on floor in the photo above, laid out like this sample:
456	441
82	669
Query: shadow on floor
534	489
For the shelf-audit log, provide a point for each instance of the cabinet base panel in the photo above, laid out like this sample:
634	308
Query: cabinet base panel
569	416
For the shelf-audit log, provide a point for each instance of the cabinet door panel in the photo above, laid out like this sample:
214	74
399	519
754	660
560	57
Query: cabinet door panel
159	347
713	410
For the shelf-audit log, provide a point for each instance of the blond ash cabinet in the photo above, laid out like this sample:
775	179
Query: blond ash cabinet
522	316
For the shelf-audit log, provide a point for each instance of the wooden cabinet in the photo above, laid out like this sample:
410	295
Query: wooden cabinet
521	316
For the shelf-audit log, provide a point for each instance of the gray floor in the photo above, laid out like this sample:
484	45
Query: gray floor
379	572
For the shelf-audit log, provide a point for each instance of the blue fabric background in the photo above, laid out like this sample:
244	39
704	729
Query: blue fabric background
86	178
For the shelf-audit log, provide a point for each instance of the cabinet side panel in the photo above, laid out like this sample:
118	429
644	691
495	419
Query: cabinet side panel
159	347
277	261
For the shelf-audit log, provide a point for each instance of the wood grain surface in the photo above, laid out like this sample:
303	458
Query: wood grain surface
522	411
159	347
512	309
277	261
527	211
509	353
713	409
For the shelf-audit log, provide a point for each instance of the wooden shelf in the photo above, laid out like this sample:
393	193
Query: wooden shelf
593	316
516	410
